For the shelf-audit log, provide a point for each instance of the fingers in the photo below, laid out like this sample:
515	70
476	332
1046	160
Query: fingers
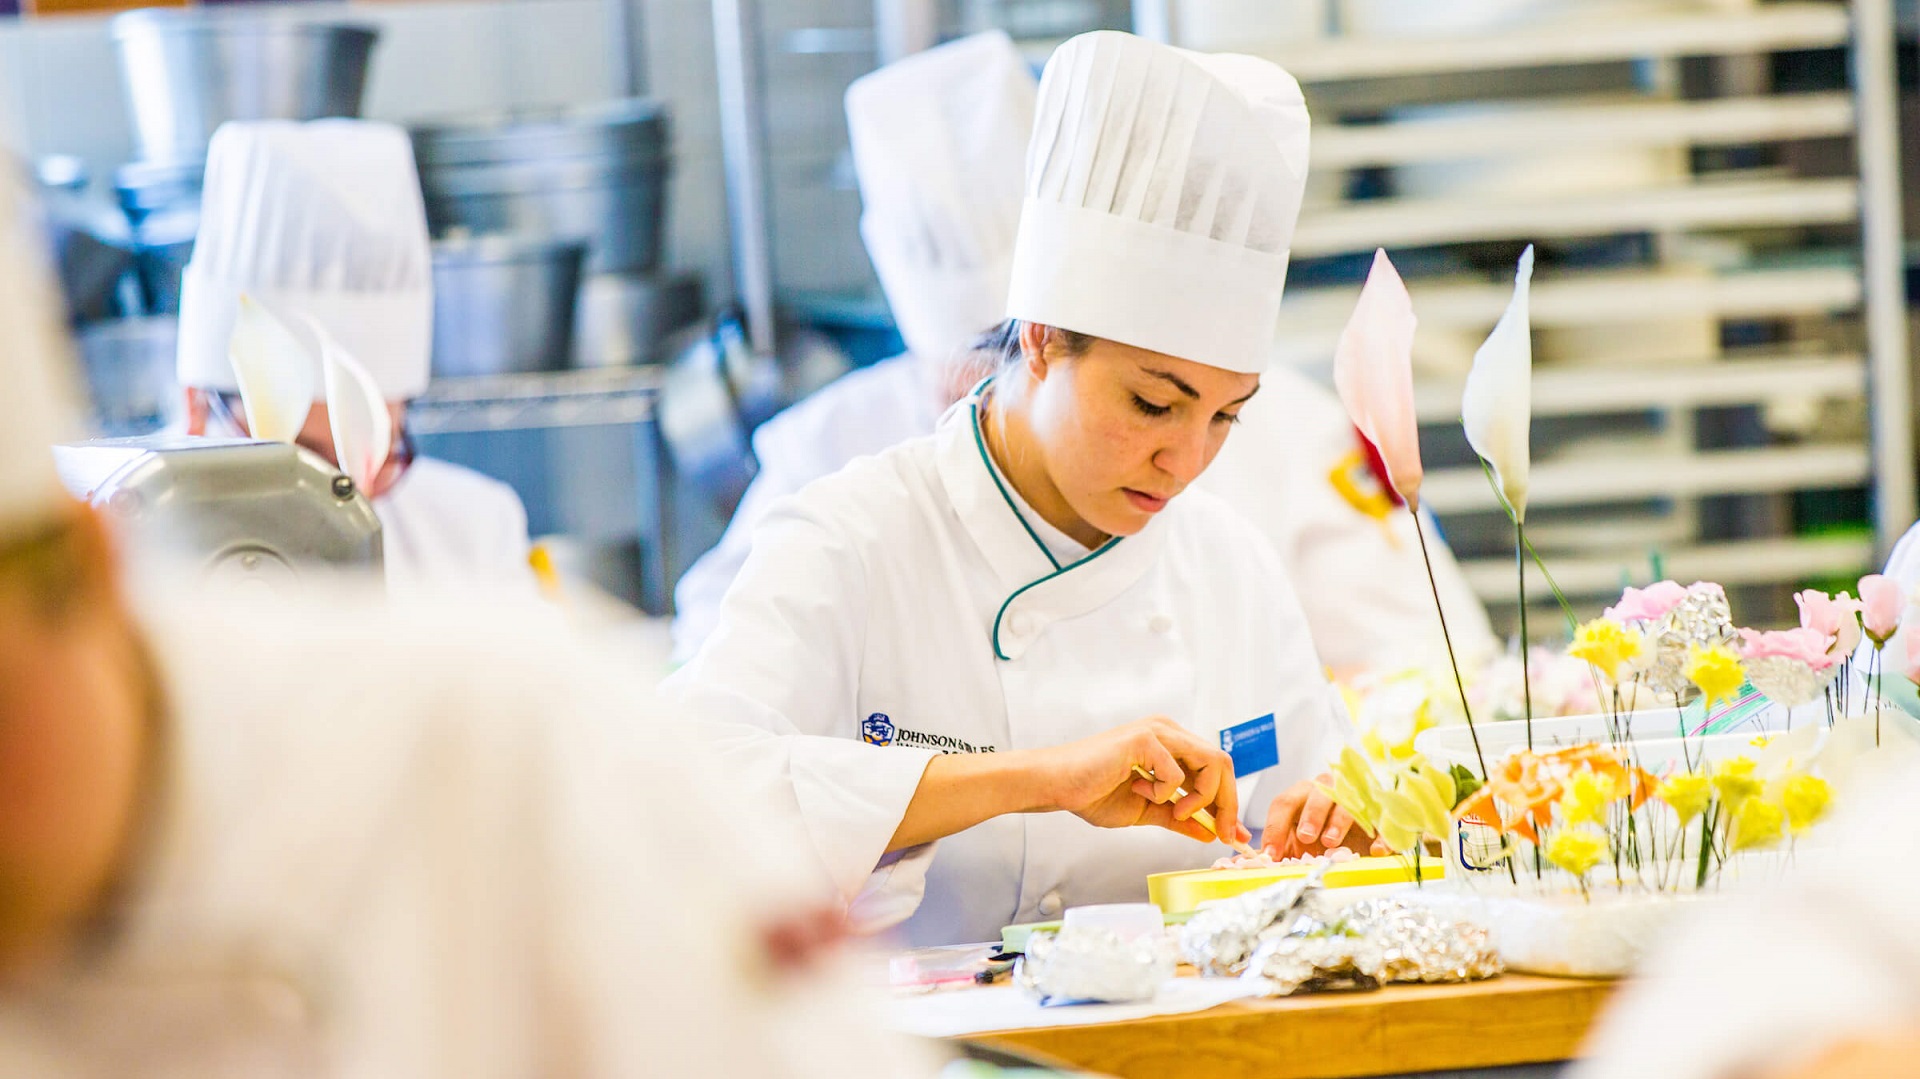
1209	772
1339	823
1282	817
1162	767
1313	816
1161	816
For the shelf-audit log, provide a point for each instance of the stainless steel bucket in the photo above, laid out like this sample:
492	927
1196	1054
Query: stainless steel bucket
187	71
504	304
596	174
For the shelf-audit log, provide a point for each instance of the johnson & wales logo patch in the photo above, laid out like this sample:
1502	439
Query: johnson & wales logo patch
878	729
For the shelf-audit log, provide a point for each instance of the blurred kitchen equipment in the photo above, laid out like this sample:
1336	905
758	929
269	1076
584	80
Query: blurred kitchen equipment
768	368
628	319
187	71
263	512
89	243
596	173
129	365
162	246
504	304
701	424
150	187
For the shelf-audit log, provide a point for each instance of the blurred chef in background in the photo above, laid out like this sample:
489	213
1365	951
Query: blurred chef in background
938	143
324	837
325	221
938	139
969	643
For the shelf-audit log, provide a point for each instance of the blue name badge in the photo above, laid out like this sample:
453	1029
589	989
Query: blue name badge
1253	745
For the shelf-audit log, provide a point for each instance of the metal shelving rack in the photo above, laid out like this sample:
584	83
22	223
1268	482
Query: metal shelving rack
614	397
1849	339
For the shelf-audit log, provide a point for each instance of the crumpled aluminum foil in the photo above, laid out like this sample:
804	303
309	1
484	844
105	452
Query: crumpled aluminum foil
1703	619
1088	966
1368	944
1789	683
1223	934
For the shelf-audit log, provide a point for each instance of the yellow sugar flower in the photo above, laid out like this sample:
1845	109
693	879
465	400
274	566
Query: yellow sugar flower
1588	795
1607	645
1576	850
1735	783
1687	794
1805	800
1757	824
1716	671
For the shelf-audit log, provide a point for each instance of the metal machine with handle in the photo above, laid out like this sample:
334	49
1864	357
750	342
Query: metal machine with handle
242	510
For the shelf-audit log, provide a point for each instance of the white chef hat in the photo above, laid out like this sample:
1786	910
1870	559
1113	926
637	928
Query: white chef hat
1161	194
321	219
938	140
40	404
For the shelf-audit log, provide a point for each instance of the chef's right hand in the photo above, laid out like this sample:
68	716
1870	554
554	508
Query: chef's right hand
1094	779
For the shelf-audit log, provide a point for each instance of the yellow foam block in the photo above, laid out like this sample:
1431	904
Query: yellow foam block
1183	891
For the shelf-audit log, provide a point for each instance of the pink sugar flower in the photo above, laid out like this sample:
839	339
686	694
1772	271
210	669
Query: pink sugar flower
1837	618
1647	604
1881	602
1803	645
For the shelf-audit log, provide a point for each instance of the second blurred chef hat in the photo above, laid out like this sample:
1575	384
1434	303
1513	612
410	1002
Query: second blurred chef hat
1161	194
320	220
938	142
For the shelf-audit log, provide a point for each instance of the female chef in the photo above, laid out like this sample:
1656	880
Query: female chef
962	648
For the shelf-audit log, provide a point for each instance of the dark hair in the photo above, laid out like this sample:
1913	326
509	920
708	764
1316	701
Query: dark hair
1003	341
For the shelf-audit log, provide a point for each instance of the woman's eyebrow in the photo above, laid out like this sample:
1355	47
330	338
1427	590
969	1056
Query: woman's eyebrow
1178	382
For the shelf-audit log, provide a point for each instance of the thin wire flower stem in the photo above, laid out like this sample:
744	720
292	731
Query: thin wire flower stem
1445	635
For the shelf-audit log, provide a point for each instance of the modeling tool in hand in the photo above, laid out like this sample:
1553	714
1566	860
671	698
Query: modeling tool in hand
1205	818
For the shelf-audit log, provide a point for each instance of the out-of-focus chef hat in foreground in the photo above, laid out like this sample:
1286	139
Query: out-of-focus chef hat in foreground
40	404
938	140
320	220
1161	194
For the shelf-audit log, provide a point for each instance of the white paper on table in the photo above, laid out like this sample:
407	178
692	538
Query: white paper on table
953	1013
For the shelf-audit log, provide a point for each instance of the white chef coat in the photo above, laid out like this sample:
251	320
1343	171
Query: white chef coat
1361	580
860	413
901	607
445	524
434	841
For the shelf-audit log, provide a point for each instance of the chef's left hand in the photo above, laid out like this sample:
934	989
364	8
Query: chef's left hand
1304	822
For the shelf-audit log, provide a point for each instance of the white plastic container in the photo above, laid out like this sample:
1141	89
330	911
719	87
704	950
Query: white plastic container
1565	935
1660	741
1128	921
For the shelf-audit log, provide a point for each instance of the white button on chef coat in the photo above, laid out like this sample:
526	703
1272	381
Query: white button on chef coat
866	631
1051	905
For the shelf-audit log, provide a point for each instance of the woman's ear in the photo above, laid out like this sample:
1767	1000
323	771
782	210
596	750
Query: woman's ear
1034	337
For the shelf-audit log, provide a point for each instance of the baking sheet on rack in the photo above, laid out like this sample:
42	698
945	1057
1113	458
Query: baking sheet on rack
957	1012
